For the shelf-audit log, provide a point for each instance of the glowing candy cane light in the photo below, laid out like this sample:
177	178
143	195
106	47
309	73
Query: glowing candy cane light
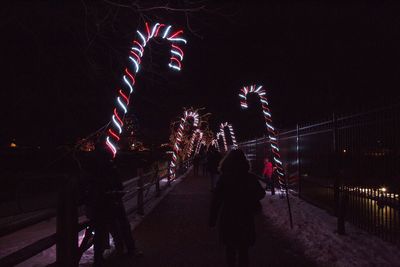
177	146
200	142
158	30
197	136
222	134
214	143
268	123
231	132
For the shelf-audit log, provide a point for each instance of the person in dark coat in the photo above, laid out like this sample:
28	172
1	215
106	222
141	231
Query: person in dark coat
99	203
235	202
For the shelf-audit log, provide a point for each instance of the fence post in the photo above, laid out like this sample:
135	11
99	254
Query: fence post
67	224
343	201
140	209
337	185
298	157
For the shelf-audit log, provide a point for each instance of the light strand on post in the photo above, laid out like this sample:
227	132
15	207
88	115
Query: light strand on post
214	143
199	143
128	79
196	138
220	133
177	146
272	134
231	133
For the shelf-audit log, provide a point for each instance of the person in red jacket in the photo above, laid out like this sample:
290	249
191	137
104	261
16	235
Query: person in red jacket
267	174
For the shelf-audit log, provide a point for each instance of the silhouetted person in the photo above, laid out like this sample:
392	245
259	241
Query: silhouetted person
105	207
235	202
99	203
120	227
213	160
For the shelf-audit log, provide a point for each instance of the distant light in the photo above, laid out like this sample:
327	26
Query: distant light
13	144
344	150
383	189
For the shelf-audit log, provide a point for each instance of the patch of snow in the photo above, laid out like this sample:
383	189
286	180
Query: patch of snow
315	230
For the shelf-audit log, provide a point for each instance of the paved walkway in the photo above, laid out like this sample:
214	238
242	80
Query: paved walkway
176	234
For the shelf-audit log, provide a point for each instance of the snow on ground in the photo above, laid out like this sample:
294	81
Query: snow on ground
314	229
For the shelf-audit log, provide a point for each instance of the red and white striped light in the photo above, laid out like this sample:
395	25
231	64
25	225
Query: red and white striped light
157	30
177	146
197	137
231	132
214	143
272	134
222	134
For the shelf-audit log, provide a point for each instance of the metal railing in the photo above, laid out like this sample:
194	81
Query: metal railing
340	156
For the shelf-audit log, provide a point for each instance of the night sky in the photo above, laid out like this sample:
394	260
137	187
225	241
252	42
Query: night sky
61	65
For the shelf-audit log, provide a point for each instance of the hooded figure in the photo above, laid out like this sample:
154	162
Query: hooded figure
235	202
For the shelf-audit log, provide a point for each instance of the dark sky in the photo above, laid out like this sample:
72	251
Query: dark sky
61	65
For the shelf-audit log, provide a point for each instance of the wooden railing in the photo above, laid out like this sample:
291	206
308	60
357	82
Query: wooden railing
68	252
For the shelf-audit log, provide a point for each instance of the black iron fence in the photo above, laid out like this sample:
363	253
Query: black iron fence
355	157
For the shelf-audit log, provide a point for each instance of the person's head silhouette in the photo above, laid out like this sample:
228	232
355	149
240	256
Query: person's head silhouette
235	161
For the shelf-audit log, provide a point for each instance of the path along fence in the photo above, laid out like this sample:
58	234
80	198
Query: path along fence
70	219
347	165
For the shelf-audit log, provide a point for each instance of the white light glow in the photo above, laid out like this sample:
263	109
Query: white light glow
135	63
178	54
128	83
269	126
174	67
117	124
154	29
142	37
278	161
110	145
137	50
122	105
178	40
166	31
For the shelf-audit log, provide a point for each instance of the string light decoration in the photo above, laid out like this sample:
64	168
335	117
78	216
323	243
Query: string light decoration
196	138
177	146
214	143
221	134
272	134
200	142
158	30
231	132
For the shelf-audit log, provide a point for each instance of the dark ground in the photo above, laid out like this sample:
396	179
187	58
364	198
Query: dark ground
176	234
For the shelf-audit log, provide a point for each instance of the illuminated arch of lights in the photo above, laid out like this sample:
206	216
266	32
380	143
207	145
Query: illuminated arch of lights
177	146
158	30
197	137
231	132
272	134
